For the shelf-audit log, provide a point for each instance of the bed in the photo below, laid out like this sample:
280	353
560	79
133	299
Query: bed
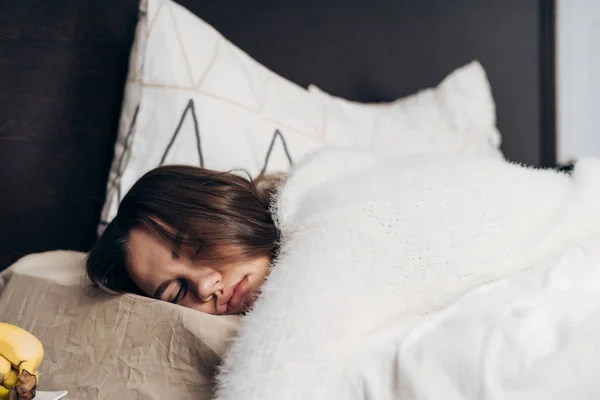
64	67
97	93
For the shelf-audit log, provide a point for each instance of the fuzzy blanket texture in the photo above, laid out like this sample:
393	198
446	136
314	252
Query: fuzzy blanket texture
376	249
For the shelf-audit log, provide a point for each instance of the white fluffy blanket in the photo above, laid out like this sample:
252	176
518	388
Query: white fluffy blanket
532	336
369	242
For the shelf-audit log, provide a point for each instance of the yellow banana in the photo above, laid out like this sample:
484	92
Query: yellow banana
3	393
5	368
21	348
11	378
25	353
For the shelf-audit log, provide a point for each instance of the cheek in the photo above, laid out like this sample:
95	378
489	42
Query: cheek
147	283
261	266
248	268
257	270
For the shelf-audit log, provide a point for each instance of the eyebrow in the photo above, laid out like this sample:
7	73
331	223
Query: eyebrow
161	289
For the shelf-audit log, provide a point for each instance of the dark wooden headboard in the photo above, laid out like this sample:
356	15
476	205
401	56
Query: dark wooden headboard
63	65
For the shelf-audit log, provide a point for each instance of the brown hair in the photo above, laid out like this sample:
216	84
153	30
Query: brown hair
198	212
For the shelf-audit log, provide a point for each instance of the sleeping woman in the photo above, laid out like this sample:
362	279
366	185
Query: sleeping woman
351	248
190	236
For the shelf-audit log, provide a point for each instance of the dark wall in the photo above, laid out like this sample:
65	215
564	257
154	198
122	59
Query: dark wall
62	73
63	66
392	48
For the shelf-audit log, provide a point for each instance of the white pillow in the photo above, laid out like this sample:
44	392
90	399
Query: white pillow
458	115
192	97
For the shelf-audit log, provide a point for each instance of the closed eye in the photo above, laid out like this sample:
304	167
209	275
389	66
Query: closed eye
180	293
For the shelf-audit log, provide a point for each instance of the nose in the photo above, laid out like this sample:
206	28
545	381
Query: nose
208	283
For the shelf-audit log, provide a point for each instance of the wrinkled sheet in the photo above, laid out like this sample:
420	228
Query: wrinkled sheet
100	346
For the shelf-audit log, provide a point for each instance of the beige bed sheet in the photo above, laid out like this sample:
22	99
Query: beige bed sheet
99	346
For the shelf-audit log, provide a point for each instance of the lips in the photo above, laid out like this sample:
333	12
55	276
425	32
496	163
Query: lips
239	293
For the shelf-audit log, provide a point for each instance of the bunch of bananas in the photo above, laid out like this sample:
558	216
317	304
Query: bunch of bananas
21	353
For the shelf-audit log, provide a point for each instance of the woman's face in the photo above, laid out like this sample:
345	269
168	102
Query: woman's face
210	288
